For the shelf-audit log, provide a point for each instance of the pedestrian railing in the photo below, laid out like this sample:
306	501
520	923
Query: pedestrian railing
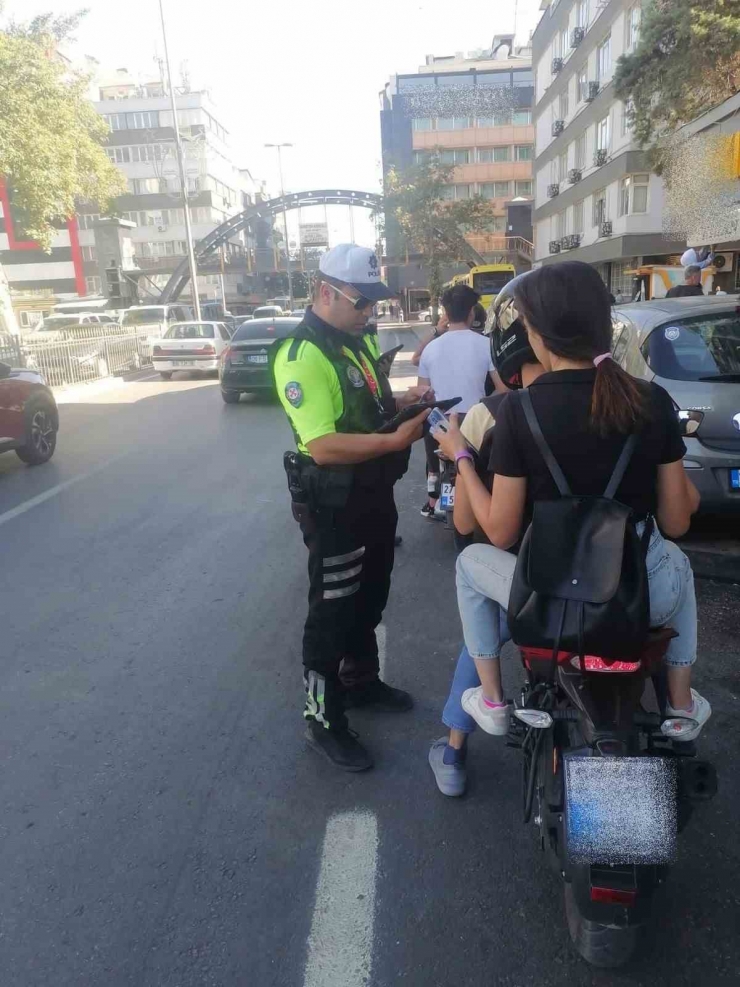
73	358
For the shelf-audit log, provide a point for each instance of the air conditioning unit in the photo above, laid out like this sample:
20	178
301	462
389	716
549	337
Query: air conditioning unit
576	36
592	91
606	228
554	246
557	64
553	190
558	126
575	175
724	262
162	229
600	157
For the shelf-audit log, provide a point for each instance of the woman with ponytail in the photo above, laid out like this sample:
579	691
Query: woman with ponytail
586	406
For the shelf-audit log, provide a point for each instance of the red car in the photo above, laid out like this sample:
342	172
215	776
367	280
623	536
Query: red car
29	419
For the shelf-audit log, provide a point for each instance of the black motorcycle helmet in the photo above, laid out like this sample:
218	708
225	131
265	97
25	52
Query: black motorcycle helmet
510	348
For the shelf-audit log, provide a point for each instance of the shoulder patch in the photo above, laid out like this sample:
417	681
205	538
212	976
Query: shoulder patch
294	393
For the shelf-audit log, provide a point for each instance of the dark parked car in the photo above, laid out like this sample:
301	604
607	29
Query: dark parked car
691	347
245	363
29	419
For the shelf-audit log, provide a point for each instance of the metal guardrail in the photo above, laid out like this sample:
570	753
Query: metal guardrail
64	361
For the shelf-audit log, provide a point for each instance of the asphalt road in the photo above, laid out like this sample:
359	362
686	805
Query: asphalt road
162	822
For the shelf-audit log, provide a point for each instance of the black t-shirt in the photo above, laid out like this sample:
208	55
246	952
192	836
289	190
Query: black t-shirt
562	402
684	291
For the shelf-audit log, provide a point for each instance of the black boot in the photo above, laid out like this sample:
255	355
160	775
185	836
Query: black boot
380	696
341	747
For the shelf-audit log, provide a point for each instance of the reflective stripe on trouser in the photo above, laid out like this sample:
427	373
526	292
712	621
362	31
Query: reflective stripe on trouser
350	558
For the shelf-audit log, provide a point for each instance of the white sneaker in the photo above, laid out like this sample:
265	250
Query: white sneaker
700	711
493	721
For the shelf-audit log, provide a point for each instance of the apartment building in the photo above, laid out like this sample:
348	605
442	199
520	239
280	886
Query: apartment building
595	197
141	144
433	110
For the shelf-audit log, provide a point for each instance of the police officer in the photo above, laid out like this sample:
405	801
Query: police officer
341	482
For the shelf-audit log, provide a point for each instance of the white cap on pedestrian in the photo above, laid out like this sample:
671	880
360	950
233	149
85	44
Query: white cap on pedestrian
357	267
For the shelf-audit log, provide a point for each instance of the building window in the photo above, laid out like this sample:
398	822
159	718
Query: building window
523	188
147	186
498	224
118	155
89	254
599	207
621	280
85	222
149	152
523	152
632	27
94	285
564	44
452	123
455	191
563	105
633	194
447	192
502	153
578	217
421	157
484	155
144	120
582	13
579	157
560	225
562	167
484	121
421	123
522	118
582	84
459	156
626	110
604	59
602	134
487	190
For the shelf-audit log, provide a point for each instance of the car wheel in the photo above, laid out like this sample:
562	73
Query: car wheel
231	397
165	374
41	433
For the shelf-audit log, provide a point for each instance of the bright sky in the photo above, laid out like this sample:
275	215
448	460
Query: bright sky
306	73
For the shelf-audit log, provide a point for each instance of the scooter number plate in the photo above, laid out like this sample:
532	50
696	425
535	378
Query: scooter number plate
447	498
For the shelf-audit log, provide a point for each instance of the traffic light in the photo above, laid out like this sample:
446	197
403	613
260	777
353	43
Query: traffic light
113	281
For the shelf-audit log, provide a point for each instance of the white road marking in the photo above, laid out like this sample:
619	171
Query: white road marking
28	505
380	637
340	945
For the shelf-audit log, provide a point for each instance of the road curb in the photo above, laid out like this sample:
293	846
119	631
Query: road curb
719	566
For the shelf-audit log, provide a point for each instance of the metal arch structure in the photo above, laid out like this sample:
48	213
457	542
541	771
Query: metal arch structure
273	207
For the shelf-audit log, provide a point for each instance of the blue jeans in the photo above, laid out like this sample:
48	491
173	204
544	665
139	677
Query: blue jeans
466	677
484	576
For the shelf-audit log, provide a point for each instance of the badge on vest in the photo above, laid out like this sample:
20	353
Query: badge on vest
294	393
355	377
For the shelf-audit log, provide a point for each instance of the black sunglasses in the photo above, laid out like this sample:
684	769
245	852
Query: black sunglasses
358	303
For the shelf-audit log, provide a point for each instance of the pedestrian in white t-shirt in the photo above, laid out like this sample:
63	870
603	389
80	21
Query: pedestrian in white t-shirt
456	364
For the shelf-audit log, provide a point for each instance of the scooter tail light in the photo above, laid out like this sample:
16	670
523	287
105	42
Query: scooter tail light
613	896
593	664
536	718
678	726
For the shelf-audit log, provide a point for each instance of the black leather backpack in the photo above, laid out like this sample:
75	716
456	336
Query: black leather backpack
580	582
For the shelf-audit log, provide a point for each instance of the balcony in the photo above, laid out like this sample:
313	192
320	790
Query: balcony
576	36
600	156
554	246
553	190
558	126
557	65
572	241
592	91
605	229
575	175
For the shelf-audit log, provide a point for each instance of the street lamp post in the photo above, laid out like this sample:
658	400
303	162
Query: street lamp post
183	179
285	220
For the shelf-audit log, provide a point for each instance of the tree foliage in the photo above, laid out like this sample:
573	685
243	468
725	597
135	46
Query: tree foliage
50	136
687	60
430	223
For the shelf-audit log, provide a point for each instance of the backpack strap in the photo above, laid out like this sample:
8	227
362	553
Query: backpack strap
550	461
619	469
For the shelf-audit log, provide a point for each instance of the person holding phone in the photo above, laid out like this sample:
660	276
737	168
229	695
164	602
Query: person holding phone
457	363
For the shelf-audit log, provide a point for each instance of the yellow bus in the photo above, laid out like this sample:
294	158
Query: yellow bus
486	279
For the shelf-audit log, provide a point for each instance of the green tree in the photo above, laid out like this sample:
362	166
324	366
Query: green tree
687	60
432	224
51	137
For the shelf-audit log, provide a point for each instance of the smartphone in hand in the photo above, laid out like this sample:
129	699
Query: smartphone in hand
437	419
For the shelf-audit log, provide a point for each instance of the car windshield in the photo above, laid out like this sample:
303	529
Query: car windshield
266	312
490	282
190	330
693	349
139	316
58	322
264	329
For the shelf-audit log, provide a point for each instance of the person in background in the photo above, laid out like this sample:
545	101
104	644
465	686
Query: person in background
437	331
456	364
691	286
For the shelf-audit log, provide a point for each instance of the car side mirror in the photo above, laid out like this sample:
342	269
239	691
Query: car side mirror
5	370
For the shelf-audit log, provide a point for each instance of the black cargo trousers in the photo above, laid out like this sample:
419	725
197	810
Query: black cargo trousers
350	559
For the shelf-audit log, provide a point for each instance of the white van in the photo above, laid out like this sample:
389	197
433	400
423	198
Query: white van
156	318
